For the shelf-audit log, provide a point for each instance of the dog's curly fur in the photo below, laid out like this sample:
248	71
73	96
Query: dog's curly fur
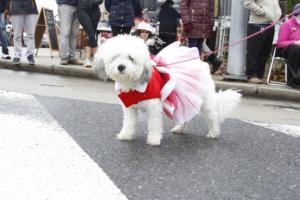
130	54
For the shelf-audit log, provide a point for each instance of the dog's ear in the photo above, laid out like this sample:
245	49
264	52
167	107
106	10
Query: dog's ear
99	66
147	71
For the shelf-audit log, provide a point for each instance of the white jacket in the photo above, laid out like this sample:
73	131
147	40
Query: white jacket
263	11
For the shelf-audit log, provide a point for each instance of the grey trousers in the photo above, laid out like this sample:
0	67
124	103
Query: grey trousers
69	26
27	23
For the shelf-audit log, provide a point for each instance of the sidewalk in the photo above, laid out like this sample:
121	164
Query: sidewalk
46	64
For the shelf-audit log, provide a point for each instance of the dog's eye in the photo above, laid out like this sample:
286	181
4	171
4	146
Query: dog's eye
115	57
131	58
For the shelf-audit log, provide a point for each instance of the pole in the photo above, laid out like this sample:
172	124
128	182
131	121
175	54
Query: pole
238	30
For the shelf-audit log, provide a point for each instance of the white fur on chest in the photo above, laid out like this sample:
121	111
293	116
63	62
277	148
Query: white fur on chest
146	105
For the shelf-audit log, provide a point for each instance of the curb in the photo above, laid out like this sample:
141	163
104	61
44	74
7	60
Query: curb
69	70
264	91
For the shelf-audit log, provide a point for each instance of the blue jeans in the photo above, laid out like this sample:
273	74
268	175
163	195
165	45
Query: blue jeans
196	42
3	34
89	20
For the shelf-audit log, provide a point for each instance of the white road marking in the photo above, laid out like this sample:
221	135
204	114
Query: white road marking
40	161
283	128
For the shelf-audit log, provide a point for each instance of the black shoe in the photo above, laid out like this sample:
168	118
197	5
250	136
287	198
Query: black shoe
216	63
16	61
31	60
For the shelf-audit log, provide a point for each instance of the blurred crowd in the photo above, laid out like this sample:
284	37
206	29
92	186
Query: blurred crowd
191	23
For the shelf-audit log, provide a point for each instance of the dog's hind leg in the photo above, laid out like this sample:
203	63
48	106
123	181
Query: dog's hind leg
212	116
155	124
129	123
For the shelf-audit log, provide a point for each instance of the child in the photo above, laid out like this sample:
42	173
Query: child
145	31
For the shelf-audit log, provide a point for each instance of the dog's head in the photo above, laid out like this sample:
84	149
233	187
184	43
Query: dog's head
126	59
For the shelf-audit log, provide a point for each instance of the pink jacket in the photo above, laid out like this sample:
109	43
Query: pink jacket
289	32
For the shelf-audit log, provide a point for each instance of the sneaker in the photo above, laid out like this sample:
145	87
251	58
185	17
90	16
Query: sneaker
16	61
64	61
255	80
6	56
75	62
31	60
87	63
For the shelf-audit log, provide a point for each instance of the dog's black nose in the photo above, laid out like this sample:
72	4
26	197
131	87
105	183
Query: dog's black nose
121	67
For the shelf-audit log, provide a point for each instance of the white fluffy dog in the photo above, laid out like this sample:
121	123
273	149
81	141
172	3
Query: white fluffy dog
126	60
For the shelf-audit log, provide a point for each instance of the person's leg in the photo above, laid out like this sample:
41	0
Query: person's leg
267	40
17	25
196	42
168	39
29	28
293	66
85	20
3	38
73	36
254	48
66	17
211	58
95	21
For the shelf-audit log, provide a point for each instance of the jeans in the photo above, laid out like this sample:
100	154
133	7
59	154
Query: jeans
3	34
89	21
196	42
28	23
69	26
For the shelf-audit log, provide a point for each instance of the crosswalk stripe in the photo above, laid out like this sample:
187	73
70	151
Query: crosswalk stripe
39	160
283	128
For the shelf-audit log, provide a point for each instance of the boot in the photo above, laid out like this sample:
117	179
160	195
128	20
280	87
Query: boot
216	63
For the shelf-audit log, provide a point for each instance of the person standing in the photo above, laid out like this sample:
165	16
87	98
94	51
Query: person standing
122	14
3	34
69	26
89	15
262	14
289	40
198	21
168	19
23	16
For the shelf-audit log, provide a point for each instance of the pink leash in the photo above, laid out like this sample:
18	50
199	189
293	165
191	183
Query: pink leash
234	43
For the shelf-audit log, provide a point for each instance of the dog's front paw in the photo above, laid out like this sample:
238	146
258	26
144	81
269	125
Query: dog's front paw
178	129
212	135
154	140
124	136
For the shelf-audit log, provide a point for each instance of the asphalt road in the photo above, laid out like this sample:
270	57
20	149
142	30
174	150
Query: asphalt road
246	162
71	137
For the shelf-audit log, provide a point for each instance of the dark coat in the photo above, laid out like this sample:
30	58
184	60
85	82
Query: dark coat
69	2
168	19
16	7
122	12
88	4
200	13
2	5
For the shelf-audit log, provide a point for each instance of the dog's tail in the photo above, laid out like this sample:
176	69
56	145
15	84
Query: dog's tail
227	101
